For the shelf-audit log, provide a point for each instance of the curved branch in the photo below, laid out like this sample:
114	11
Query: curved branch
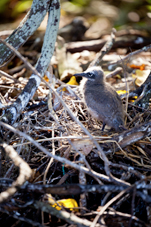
69	217
25	172
26	28
15	109
105	49
133	135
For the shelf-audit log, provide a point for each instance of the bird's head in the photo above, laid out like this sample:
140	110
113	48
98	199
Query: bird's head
94	74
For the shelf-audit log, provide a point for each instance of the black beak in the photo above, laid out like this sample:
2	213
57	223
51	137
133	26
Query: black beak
81	74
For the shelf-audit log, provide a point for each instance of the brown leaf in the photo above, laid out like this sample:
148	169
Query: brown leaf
84	145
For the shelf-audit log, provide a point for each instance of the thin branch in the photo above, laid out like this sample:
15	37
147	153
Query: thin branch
51	160
105	49
69	217
17	216
24	169
133	135
108	204
8	76
112	65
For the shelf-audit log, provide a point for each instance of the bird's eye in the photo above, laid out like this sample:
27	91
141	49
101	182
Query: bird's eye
90	74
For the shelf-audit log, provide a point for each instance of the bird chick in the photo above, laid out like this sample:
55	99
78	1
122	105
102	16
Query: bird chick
101	99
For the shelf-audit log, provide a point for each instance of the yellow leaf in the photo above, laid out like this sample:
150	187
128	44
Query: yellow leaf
133	99
67	203
46	78
121	92
140	76
72	81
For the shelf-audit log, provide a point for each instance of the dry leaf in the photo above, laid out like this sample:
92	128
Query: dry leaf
67	203
72	81
121	92
141	67
140	76
36	176
84	145
46	78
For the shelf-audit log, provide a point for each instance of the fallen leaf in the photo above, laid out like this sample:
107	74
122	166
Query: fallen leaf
121	92
67	203
46	78
84	145
140	76
133	66
72	81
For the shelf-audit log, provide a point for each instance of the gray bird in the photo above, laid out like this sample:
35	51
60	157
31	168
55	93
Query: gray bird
101	99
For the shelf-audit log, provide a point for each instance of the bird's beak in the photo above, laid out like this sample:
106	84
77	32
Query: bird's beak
80	74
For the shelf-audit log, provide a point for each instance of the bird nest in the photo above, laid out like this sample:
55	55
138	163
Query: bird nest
79	175
105	188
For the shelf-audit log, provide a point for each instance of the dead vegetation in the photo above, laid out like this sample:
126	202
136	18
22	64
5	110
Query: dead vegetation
57	167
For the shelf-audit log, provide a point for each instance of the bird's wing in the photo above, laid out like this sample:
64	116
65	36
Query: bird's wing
107	102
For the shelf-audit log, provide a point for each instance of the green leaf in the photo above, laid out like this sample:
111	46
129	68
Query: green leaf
21	7
149	7
3	4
